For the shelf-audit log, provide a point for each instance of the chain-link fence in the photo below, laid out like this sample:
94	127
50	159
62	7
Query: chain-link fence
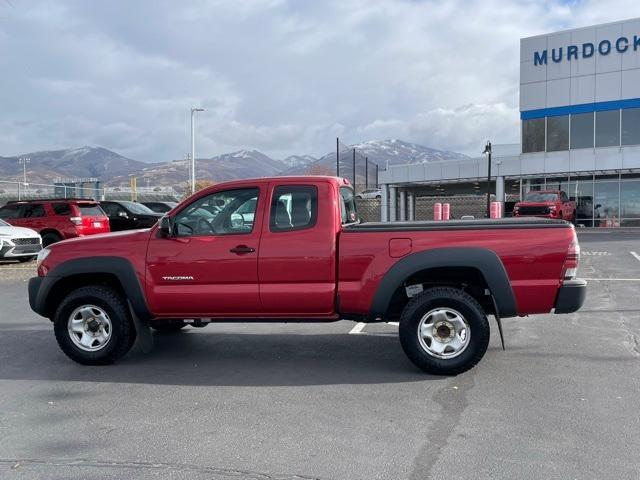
461	205
357	168
11	190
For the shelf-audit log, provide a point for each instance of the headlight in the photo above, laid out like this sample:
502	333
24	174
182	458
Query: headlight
42	254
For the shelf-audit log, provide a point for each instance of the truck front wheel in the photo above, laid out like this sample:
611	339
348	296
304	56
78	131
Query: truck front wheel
93	326
444	331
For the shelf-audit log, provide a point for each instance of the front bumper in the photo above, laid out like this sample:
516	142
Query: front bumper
36	301
8	250
571	296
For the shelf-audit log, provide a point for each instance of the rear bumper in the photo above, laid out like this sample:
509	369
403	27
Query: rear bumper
571	296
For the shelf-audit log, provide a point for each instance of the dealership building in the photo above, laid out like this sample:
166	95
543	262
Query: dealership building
580	132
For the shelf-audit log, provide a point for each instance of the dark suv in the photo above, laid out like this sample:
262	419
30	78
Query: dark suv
125	215
57	219
160	207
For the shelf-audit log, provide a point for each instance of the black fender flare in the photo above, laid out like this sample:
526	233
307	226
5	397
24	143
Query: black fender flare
484	260
40	288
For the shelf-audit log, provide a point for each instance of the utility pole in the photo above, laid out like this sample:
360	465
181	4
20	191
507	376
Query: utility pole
187	157
337	156
193	148
487	150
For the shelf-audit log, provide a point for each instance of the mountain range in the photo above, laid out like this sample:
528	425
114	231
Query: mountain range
114	169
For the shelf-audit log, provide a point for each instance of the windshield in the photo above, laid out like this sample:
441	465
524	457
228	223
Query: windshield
541	197
134	207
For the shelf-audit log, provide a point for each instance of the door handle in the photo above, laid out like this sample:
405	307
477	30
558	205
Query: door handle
241	249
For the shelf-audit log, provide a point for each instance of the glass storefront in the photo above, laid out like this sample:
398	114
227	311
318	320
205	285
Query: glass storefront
601	200
607	128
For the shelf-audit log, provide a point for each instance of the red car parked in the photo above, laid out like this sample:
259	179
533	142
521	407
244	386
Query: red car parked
292	249
57	219
546	204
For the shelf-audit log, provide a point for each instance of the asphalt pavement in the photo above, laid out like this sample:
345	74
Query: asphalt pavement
293	401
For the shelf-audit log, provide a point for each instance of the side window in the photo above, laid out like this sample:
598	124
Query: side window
61	208
563	197
10	211
348	210
34	210
110	209
221	213
293	207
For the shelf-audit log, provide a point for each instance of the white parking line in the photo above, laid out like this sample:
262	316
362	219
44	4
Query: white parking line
635	255
394	323
357	328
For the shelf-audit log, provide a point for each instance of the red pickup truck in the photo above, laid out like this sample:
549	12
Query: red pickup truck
292	249
546	204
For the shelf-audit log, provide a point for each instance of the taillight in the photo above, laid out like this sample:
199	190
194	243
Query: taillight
572	260
76	220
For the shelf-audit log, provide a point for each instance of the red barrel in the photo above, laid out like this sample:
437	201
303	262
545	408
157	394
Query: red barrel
437	211
496	209
446	211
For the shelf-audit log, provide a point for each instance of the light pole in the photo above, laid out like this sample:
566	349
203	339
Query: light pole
193	149
24	161
487	150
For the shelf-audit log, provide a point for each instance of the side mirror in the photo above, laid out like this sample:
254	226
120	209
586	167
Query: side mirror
166	226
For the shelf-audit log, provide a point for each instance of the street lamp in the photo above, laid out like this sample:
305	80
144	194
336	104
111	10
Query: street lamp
487	150
193	149
24	161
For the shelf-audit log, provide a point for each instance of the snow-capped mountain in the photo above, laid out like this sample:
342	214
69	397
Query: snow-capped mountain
297	161
114	169
81	162
377	152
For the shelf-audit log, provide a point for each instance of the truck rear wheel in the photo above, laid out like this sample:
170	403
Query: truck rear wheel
93	326
444	331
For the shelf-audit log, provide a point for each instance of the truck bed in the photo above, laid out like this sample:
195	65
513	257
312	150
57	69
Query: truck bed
478	224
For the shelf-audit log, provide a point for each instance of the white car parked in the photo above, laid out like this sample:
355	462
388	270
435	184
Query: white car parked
370	193
17	243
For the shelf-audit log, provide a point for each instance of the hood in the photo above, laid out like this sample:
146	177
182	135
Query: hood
17	232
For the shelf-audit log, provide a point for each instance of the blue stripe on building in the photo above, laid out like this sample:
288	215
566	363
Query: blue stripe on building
582	108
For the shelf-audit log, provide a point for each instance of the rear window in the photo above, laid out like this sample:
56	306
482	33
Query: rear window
61	208
348	210
91	210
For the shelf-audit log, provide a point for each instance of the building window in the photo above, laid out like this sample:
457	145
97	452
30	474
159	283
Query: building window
630	199
533	135
582	130
631	126
580	190
558	133
606	199
608	128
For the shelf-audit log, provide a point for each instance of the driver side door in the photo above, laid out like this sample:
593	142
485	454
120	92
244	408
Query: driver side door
208	267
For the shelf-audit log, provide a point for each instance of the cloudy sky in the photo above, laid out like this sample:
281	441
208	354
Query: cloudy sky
285	77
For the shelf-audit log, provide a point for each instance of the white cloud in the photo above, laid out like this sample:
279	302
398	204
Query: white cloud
282	76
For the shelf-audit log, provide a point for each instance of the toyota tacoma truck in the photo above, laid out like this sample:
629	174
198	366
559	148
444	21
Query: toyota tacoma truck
546	204
292	249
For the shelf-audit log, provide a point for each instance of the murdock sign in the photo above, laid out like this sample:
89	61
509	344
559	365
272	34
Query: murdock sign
586	50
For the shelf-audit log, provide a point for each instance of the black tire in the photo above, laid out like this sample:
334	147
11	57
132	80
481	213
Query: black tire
469	309
26	259
49	238
123	333
167	326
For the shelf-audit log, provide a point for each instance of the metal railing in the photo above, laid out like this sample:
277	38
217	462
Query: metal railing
12	190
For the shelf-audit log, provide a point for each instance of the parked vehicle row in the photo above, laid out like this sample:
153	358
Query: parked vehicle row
58	219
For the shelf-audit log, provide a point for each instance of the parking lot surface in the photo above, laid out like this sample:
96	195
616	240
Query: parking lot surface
335	401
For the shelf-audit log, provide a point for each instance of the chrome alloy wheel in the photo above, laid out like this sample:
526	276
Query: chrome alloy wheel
89	328
444	333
